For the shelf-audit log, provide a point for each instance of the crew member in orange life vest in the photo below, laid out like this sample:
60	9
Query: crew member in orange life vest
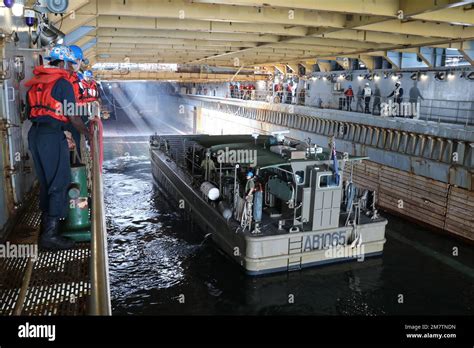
78	91
90	92
76	68
48	100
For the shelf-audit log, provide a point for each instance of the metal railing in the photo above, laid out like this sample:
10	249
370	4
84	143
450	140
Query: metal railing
435	110
100	291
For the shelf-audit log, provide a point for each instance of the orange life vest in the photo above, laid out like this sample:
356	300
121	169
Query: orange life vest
40	96
77	86
90	91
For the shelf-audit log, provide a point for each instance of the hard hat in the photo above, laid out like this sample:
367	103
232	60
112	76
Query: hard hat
367	84
77	52
88	74
398	83
350	86
250	174
61	52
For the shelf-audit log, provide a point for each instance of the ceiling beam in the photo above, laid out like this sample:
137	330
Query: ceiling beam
457	16
413	8
174	76
176	34
367	7
426	29
181	9
275	31
152	40
374	37
324	41
82	41
128	22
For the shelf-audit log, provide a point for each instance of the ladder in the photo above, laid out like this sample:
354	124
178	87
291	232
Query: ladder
295	246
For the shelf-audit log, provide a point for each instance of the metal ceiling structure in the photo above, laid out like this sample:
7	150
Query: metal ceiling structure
234	33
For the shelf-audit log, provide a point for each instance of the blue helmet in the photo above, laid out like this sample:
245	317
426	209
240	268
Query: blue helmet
77	52
88	74
61	52
250	174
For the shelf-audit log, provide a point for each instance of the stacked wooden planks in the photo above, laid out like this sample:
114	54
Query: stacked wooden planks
426	200
460	212
365	175
418	197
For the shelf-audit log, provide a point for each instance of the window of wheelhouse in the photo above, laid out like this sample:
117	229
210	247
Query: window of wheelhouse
328	180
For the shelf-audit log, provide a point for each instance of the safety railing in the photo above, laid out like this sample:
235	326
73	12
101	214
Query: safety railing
99	266
435	110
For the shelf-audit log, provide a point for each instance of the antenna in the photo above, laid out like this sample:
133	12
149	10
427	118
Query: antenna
255	136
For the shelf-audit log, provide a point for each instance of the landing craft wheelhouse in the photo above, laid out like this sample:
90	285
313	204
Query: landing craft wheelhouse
299	212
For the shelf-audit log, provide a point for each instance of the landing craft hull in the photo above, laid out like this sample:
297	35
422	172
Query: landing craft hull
265	254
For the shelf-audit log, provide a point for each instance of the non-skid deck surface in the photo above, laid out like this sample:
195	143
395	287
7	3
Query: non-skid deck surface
59	282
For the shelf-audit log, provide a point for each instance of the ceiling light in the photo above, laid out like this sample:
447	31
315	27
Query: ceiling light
18	7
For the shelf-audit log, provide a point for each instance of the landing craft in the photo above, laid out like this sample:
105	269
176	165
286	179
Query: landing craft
257	203
299	212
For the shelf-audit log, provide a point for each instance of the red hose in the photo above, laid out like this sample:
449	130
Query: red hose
100	129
